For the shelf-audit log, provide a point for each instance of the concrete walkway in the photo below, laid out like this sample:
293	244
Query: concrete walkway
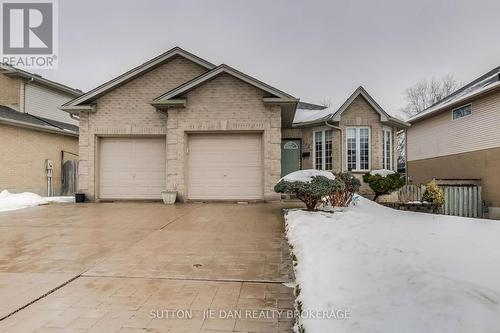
145	267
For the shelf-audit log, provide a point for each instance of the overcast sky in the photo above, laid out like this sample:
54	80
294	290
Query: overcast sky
314	50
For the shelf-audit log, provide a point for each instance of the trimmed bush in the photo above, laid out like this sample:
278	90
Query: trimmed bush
343	197
433	193
310	192
384	185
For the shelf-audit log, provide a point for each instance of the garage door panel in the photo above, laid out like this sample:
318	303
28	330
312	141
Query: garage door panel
225	166
132	168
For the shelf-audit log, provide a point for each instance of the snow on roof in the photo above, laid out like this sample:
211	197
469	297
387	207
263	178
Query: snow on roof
307	115
311	113
307	175
489	81
307	112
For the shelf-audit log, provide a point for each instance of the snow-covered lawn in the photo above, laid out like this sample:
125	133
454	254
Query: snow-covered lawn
13	201
396	271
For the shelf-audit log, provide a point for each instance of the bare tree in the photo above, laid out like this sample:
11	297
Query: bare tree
427	92
401	151
326	103
419	97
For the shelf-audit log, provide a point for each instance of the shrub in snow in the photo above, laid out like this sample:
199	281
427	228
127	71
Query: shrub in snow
433	193
384	184
310	186
343	197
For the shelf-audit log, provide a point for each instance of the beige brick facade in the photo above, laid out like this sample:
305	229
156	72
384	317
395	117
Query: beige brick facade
24	152
10	90
223	104
358	113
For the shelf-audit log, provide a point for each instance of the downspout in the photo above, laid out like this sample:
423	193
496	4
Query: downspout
24	93
340	142
407	177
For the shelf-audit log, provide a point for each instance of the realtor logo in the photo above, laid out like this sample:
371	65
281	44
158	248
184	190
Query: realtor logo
29	34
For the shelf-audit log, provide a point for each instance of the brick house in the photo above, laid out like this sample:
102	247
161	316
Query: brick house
33	130
179	122
358	136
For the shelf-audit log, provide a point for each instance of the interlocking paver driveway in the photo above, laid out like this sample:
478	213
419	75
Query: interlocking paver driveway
130	264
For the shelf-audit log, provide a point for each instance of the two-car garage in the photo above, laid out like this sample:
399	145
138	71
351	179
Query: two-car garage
218	166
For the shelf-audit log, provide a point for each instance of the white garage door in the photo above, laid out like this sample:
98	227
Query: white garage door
225	166
132	168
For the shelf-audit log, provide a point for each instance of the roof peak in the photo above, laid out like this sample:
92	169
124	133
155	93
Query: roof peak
477	80
138	70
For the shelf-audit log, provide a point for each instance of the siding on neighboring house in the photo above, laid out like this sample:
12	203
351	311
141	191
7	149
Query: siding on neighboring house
44	102
442	135
480	164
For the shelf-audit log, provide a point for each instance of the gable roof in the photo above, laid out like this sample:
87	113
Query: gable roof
360	91
12	71
315	116
15	118
135	72
221	69
483	84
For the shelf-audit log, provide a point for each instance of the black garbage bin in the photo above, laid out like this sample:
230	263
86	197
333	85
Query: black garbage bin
79	197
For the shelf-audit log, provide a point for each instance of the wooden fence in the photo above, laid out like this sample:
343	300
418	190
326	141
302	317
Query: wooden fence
463	201
410	193
459	200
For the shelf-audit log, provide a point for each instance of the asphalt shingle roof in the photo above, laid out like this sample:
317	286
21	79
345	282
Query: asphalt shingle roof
11	114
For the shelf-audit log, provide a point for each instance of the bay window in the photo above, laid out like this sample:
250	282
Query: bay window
387	151
358	148
323	149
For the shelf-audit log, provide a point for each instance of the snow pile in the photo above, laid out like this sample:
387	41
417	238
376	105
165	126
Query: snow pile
396	271
13	201
307	175
381	172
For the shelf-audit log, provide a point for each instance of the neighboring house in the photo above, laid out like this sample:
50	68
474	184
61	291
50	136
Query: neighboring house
358	136
210	132
33	130
458	139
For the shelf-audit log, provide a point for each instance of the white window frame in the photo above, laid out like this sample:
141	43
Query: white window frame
323	153
387	130
461	106
358	150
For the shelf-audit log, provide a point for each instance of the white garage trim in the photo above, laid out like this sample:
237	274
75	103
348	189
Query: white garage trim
225	166
131	168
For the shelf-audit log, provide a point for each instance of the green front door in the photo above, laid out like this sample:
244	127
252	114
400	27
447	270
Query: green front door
290	156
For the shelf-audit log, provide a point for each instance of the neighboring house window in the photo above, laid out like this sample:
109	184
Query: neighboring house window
462	111
358	148
387	151
323	150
